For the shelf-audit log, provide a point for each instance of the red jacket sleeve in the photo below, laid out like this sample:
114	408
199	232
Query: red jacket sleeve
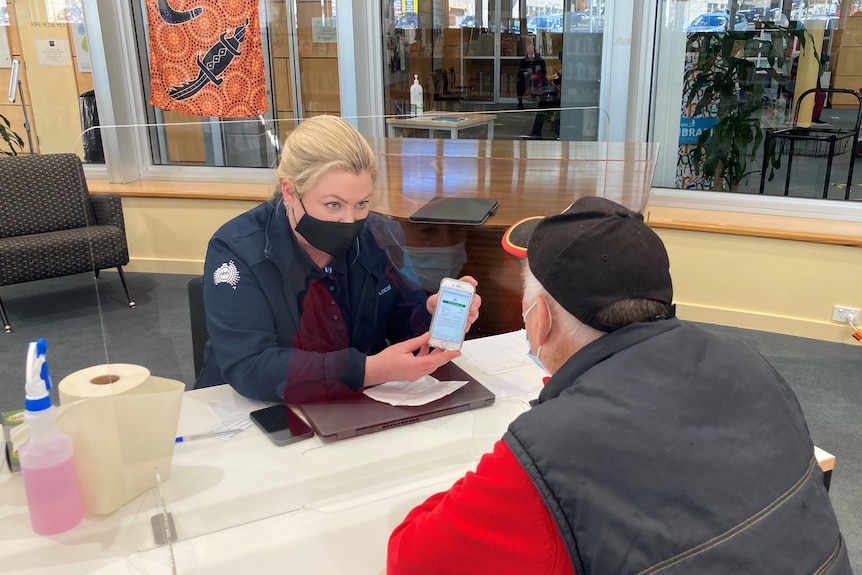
491	521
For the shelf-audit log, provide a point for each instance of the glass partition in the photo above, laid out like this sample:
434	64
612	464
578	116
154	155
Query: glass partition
240	481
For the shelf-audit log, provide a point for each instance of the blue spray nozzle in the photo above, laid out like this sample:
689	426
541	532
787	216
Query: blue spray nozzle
42	351
38	379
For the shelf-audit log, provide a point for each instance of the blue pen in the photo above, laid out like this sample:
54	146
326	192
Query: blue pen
184	438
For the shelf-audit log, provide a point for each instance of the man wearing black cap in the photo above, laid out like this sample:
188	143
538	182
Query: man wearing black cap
655	446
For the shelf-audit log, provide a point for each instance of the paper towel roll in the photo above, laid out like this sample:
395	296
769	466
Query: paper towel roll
102	381
123	422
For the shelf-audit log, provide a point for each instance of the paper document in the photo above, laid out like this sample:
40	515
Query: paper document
498	353
424	390
238	424
229	410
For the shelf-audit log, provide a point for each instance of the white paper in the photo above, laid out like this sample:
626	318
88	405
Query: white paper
237	407
424	390
201	417
323	30
498	353
515	383
53	51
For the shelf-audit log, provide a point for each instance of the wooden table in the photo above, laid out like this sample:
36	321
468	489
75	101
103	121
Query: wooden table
453	123
527	178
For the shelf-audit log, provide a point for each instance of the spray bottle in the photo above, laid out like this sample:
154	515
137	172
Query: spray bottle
47	456
417	97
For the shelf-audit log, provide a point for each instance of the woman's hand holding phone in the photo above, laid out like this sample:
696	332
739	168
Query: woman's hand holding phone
451	316
413	358
475	304
401	362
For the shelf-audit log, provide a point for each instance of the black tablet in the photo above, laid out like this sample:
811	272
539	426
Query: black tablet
468	211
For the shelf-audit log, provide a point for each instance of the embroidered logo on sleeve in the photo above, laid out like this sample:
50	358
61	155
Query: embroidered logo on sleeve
226	273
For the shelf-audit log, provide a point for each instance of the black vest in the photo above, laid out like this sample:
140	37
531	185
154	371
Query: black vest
663	448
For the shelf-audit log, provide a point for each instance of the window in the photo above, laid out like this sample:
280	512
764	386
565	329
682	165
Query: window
49	41
299	77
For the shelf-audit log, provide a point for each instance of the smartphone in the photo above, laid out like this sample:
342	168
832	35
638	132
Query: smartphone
281	425
450	317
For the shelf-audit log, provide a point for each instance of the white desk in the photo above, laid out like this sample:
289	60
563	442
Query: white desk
243	505
453	123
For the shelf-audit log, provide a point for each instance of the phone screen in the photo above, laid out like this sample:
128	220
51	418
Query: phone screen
453	306
281	424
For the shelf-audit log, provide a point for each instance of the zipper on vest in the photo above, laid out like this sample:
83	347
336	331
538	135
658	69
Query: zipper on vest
739	528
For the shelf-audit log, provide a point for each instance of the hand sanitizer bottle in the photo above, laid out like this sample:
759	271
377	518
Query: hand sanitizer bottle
416	97
47	456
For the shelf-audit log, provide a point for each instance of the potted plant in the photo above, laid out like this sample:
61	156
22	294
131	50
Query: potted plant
726	80
12	139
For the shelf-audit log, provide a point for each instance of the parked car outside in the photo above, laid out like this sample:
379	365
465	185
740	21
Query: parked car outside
408	21
717	22
752	15
546	22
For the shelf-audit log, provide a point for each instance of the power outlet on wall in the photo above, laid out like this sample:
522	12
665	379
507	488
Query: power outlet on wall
845	314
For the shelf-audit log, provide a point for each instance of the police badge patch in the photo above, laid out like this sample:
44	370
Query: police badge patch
226	273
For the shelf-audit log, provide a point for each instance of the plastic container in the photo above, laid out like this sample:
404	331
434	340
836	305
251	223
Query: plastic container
47	456
417	97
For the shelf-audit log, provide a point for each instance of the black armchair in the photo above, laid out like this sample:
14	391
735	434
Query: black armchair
51	226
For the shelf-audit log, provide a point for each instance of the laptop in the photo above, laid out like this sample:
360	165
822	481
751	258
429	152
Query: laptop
465	211
361	415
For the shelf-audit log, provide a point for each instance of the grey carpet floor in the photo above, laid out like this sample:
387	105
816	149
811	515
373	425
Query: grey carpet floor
72	312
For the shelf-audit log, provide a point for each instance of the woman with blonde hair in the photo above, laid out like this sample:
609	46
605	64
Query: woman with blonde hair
309	296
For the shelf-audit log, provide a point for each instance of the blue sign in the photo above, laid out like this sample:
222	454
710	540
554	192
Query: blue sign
690	129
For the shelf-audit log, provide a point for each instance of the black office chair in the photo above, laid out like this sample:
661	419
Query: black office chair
438	77
456	88
197	315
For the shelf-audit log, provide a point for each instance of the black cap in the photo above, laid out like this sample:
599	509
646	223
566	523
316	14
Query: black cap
593	254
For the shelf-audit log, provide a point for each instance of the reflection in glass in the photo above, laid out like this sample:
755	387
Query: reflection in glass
500	56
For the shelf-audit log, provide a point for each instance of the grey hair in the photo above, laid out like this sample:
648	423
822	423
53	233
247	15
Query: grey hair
573	329
319	145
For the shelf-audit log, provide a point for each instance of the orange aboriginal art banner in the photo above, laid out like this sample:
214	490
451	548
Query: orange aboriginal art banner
206	58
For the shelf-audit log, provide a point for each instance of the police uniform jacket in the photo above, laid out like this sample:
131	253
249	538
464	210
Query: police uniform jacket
282	329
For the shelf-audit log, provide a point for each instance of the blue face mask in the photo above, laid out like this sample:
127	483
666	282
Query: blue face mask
534	357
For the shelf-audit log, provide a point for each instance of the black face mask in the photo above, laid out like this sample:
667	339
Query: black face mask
334	238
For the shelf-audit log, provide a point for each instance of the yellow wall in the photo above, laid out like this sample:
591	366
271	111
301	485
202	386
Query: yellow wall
781	286
169	235
53	89
775	285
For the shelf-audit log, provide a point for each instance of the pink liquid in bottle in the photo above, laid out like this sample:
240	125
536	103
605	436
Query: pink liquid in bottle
47	456
53	497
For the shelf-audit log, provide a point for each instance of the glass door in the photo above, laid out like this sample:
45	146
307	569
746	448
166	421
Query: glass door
581	68
479	45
